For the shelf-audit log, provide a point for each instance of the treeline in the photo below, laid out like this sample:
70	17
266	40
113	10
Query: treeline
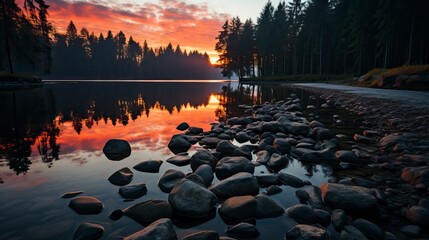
79	55
29	43
326	37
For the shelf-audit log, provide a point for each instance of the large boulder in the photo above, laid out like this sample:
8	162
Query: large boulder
352	199
239	208
203	157
149	211
206	173
282	145
161	229
416	175
306	232
190	199
133	191
117	149
263	156
121	177
242	137
178	144
86	205
169	179
228	166
237	185
226	148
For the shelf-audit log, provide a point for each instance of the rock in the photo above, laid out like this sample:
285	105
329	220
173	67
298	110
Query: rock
195	131
271	190
161	229
277	162
88	231
242	137
71	194
150	166
369	229
180	160
389	236
229	166
206	173
323	217
302	195
196	179
339	219
182	126
424	202
133	191
267	180
272	126
149	211
347	156
352	199
416	175
226	147
352	233
297	128
116	215
418	215
411	230
178	144
189	199
243	151
210	142
242	230
391	140
86	205
239	208
282	145
267	208
237	185
290	180
203	157
262	156
117	149
302	214
169	179
315	196
203	235
121	177
306	232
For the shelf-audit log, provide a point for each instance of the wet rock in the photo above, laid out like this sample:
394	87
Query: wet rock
267	208
263	156
71	194
297	128
267	180
239	208
391	140
282	145
116	215
210	142
411	230
424	202
416	175
351	232
323	217
277	162
362	139
161	229
418	215
182	126
203	157
196	179
272	126
314	124
206	173
117	149
339	219
133	191
302	195
306	232
191	200
178	144
347	156
88	231
194	131
243	151
315	197
242	230
302	214
149	211
180	160
271	190
369	229
229	166
169	179
290	180
237	185
242	137
203	235
226	148
86	205
352	199
121	177
150	166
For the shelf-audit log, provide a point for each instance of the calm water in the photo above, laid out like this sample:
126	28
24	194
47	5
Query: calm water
51	140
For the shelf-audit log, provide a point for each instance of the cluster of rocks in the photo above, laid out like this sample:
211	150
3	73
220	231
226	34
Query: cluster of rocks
364	192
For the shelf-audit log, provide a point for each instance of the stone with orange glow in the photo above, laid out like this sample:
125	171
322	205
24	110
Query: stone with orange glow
86	205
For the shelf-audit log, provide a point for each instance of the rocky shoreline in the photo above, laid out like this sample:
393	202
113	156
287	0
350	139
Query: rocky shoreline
378	188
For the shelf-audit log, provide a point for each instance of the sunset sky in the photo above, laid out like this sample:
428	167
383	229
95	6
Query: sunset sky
193	24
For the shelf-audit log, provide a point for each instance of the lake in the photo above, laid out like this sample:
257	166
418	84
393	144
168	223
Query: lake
52	137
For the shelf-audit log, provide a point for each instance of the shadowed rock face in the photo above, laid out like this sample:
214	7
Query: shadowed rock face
86	205
117	149
161	229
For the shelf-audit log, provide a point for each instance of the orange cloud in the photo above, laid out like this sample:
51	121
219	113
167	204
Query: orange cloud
193	26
